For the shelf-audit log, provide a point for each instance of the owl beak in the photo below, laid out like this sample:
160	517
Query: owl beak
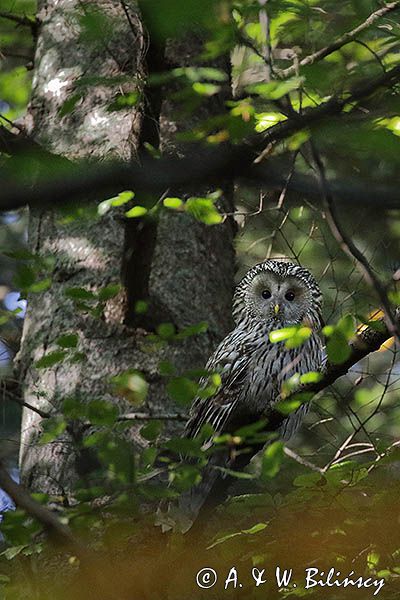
276	308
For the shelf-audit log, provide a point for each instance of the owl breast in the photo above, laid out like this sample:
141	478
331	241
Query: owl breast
271	365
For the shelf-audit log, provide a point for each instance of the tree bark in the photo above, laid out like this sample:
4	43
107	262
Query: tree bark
183	268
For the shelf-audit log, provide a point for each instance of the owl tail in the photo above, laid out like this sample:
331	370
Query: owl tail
179	515
197	504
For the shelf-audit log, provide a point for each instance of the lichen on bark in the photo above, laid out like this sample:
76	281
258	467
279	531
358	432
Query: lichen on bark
186	274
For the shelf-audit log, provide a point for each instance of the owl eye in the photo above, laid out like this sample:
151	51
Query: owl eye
266	294
290	296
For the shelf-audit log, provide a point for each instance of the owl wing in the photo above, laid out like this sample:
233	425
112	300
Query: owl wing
231	360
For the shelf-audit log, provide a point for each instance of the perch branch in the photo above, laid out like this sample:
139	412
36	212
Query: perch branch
365	342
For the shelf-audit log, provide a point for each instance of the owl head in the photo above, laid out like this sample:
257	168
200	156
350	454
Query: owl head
279	293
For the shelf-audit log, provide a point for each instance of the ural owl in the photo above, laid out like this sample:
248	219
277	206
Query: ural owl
272	295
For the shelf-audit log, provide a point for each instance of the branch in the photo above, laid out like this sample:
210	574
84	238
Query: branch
9	390
21	20
87	182
48	519
302	461
152	417
341	41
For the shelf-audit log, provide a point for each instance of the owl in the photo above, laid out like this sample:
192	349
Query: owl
272	295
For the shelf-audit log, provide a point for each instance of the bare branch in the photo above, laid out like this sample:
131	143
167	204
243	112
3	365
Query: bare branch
152	417
341	41
9	389
302	461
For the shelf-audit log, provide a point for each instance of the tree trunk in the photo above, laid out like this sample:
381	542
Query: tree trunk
182	268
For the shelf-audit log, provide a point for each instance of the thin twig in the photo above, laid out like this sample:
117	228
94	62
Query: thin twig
349	247
152	417
8	391
342	40
265	29
302	461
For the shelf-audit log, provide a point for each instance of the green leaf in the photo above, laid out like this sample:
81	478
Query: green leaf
151	431
132	385
310	377
109	291
52	429
50	359
136	211
205	89
173	203
120	200
346	326
141	307
166	331
309	480
74	408
122	101
182	390
40	286
184	446
77	293
272	460
287	407
25	277
274	90
294	336
174	18
68	340
100	412
201	327
203	210
253	530
166	368
69	104
337	348
266	120
249	430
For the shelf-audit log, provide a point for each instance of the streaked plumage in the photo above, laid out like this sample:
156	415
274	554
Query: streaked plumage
253	369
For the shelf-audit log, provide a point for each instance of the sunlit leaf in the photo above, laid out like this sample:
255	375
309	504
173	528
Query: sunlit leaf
271	460
136	211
